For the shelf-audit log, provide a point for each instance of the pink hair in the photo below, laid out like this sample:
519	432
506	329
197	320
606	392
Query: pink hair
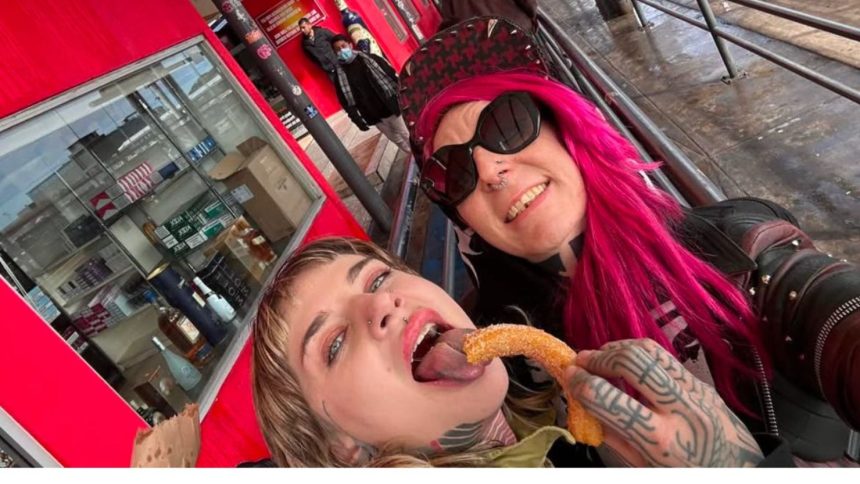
630	261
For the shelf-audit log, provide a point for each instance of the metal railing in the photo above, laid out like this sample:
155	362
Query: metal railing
682	178
401	227
721	34
688	182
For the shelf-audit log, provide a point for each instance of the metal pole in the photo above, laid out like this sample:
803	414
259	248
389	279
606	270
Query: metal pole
822	80
692	182
276	71
840	88
844	30
401	229
637	12
711	21
585	87
448	258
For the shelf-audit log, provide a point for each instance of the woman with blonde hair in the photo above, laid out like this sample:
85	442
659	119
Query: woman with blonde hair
357	361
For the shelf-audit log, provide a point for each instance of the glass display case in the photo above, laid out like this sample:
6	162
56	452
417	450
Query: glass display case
114	200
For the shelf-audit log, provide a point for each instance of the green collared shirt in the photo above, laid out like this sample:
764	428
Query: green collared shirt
530	451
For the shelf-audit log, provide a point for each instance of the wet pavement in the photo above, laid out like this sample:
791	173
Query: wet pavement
771	134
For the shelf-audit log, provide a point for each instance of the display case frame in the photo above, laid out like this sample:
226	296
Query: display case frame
271	135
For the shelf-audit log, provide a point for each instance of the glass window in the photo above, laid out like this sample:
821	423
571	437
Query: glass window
392	20
411	13
153	206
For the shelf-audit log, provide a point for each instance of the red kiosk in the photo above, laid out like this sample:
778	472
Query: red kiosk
110	114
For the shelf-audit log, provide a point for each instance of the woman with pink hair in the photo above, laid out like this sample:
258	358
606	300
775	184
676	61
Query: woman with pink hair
556	223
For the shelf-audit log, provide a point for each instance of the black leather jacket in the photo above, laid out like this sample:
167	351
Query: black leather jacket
809	305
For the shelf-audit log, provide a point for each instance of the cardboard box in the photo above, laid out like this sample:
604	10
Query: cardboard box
268	191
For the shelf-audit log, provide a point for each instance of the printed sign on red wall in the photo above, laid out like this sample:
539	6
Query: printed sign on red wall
281	22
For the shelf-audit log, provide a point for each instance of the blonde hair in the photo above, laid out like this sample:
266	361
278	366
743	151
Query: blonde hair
296	437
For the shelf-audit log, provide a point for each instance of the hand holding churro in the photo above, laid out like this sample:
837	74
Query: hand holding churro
552	354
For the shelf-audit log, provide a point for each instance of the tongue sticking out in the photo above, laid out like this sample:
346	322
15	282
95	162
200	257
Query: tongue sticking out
446	360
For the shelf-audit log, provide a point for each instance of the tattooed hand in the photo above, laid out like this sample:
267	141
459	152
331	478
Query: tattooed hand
684	423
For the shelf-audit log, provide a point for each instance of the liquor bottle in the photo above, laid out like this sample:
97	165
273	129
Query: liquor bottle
222	308
182	333
259	247
184	372
180	295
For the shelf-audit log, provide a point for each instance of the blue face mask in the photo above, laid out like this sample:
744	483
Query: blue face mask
346	54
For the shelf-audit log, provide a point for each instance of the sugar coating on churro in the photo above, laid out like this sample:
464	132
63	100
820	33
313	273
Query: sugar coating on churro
516	339
550	352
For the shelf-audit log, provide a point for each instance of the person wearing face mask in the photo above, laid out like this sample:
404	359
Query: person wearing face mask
371	372
554	218
366	86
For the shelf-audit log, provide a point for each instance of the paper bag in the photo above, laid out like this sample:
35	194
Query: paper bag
171	443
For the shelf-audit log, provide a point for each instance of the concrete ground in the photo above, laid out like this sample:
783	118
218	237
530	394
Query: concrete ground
380	159
771	134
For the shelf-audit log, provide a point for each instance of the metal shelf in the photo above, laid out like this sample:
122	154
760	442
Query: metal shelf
95	288
66	258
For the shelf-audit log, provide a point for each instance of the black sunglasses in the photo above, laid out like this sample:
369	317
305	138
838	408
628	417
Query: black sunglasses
507	125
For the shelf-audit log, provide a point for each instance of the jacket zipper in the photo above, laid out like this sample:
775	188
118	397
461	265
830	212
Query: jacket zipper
842	312
770	414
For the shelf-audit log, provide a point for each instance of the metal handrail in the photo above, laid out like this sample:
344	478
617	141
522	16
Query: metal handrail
843	30
689	179
448	258
584	86
401	227
803	71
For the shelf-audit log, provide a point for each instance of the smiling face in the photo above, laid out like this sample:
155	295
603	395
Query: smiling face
356	328
530	203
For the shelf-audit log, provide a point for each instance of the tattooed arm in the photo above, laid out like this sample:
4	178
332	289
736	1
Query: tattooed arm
683	423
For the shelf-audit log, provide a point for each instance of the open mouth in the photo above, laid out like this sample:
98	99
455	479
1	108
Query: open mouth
525	200
438	355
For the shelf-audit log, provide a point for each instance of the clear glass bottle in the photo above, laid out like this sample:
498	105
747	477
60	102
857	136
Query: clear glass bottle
222	308
184	372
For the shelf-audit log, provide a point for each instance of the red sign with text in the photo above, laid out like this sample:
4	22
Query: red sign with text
281	22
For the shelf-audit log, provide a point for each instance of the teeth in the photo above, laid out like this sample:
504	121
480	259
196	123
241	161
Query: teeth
430	329
524	201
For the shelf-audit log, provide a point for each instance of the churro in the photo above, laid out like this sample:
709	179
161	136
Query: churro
550	352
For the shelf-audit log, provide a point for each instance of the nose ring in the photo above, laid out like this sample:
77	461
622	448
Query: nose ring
369	322
503	182
405	320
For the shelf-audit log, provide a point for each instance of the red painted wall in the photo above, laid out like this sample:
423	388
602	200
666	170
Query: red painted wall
52	392
313	79
55	395
50	46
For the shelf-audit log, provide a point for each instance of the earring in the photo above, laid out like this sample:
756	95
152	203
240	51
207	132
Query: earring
405	320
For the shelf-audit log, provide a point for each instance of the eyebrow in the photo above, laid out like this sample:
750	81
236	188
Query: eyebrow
355	270
313	329
320	318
